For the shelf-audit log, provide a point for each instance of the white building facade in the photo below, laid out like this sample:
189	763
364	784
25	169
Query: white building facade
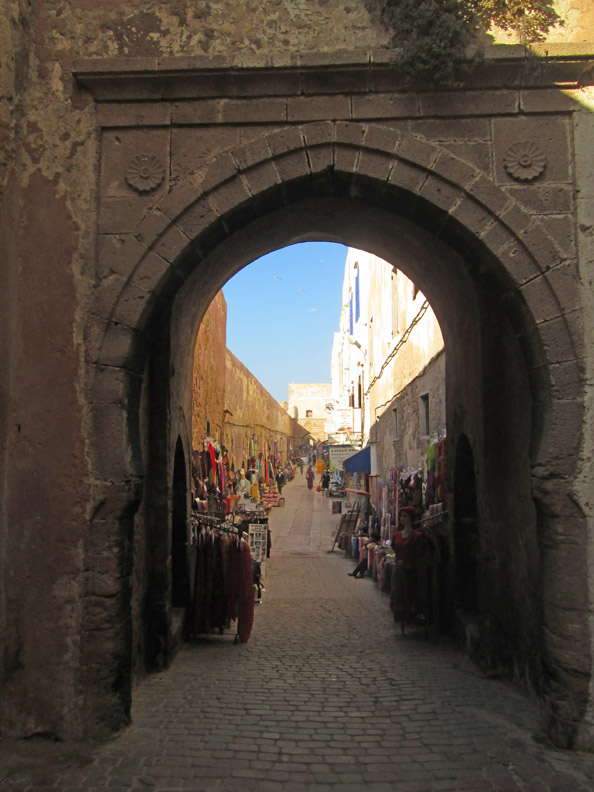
387	355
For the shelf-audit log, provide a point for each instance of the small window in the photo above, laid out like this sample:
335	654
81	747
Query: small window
309	413
424	414
395	421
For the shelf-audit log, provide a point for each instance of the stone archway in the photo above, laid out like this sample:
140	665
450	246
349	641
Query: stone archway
494	272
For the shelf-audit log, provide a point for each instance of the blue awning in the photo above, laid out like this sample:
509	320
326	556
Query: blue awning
359	462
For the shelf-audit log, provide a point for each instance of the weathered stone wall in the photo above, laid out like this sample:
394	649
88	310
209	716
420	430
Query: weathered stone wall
227	395
398	438
210	367
253	411
72	473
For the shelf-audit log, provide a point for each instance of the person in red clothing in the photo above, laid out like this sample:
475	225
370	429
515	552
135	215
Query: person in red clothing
406	538
407	546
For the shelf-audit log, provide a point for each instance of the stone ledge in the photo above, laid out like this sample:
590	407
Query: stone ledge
177	63
125	79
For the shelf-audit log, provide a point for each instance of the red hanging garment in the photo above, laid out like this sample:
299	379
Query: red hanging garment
245	619
232	581
213	463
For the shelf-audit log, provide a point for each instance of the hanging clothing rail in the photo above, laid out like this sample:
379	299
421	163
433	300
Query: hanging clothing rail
435	517
223	579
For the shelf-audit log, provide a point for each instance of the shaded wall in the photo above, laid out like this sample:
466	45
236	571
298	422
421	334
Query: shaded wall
227	396
397	432
210	374
253	411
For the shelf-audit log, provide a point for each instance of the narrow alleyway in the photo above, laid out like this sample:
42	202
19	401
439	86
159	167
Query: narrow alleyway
326	695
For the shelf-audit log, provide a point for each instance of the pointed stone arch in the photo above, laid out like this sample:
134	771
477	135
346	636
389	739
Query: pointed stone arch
234	188
410	178
466	208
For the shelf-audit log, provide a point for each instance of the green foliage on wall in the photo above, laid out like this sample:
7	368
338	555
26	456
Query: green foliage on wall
432	36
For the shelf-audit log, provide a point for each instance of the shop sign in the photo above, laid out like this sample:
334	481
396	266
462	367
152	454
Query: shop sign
338	454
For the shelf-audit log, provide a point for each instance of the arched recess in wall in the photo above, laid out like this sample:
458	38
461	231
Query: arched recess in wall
476	255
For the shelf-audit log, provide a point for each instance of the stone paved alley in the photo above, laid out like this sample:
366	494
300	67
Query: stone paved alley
326	695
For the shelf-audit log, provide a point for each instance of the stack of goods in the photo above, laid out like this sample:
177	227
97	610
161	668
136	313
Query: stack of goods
269	494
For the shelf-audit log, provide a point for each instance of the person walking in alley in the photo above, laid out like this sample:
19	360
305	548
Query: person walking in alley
280	481
325	482
310	477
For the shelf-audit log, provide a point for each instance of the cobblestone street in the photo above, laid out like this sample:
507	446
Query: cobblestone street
327	694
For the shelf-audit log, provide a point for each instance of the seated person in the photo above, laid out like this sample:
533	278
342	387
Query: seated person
362	566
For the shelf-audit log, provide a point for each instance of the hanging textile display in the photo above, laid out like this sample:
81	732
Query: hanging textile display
223	581
436	489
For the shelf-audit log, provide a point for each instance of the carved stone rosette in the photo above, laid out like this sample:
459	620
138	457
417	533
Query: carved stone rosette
524	161
145	172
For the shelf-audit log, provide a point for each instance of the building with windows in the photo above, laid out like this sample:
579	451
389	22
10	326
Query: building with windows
311	405
388	365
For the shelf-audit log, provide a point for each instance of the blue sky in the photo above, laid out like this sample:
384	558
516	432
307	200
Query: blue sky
282	312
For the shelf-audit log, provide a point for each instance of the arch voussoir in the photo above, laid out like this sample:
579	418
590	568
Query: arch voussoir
106	294
152	226
489	195
319	143
150	272
289	151
198	216
253	153
262	177
557	338
441	193
518	262
227	196
349	133
292	166
132	304
540	244
418	152
472	215
220	170
454	170
541	299
117	348
183	195
407	176
374	164
171	243
119	253
380	138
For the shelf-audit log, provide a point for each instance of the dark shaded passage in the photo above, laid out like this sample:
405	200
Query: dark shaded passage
326	695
